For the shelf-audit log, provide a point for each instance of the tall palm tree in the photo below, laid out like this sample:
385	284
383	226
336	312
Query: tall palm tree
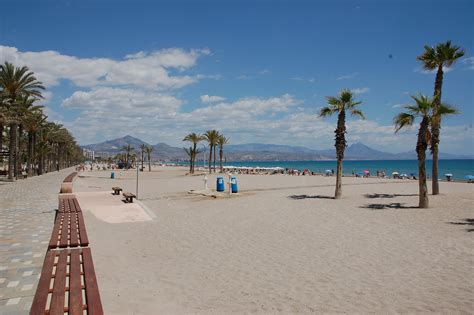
148	151
338	105
437	58
25	110
143	148
194	138
14	83
212	136
32	124
221	142
424	108
128	149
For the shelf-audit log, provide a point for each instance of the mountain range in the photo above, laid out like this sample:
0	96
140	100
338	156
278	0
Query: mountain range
259	152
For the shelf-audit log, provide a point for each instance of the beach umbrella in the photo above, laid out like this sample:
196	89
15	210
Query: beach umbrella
469	177
366	171
328	171
395	173
448	175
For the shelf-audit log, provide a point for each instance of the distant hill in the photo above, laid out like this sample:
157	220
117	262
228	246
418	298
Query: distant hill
261	152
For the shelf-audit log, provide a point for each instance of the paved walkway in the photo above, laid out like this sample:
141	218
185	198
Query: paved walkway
26	221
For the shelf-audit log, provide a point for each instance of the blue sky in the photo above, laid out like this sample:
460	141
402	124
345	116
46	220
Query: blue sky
256	70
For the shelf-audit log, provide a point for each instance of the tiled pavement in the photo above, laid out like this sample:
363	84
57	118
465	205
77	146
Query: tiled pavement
26	221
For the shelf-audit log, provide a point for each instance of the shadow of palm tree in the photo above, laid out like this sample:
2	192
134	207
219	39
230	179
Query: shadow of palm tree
373	196
465	222
382	206
299	197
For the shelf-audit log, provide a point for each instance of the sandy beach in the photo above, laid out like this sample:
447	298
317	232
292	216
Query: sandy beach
280	246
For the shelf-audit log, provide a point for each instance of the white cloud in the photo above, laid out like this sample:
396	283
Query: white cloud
469	61
398	105
141	69
310	80
264	71
425	71
360	90
242	77
107	102
348	76
211	98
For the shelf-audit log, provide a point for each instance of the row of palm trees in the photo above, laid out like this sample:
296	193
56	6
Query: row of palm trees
430	110
128	157
34	143
214	140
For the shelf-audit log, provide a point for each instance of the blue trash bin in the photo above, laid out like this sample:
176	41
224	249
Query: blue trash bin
220	184
233	185
112	175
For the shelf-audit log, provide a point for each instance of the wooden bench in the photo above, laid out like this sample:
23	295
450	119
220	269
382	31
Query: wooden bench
129	196
116	190
69	204
67	284
70	177
69	231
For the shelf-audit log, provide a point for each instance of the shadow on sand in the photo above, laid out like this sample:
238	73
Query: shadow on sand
469	222
382	206
299	197
373	196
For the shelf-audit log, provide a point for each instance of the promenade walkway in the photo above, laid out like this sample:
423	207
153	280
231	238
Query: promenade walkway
26	220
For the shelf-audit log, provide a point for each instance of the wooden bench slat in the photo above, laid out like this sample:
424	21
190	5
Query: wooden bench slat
65	218
74	237
41	297
75	286
94	306
77	207
55	234
84	241
57	299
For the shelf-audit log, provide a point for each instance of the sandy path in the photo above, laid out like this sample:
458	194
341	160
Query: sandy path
283	248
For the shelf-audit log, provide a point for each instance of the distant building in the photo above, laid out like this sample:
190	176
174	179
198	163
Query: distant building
102	155
88	154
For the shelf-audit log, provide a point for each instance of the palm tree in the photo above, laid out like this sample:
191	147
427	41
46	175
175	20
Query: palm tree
212	136
16	82
339	105
128	149
143	148
194	138
424	108
221	142
148	151
437	58
32	124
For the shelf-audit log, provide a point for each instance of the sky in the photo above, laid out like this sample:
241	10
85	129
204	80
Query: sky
258	71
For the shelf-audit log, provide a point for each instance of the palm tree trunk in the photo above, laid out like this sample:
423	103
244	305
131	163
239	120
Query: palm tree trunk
142	158
221	155
340	147
210	158
338	192
214	159
30	154
193	162
12	151
435	129
1	136
421	147
18	152
149	162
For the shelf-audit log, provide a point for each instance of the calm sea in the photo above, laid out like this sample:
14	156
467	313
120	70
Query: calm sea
459	168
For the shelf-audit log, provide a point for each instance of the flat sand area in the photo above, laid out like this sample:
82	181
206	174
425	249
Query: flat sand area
280	246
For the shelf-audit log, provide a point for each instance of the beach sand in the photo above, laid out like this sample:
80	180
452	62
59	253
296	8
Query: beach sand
281	246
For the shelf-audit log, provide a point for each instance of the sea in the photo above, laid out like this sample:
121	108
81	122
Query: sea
458	168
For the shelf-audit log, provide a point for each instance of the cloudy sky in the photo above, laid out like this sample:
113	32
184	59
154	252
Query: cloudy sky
258	71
